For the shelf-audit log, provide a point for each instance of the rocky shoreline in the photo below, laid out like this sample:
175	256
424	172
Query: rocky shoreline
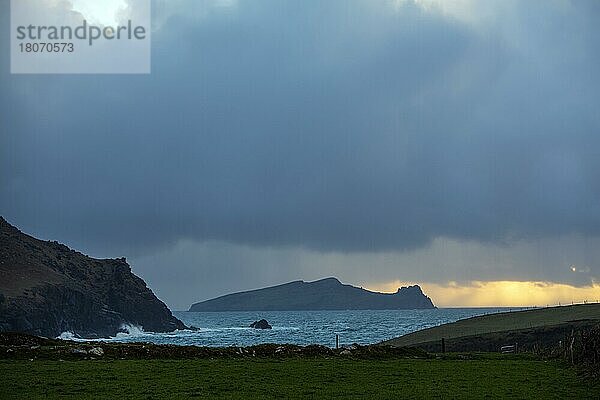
47	288
17	346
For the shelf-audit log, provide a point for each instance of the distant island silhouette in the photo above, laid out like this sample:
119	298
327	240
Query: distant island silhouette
324	294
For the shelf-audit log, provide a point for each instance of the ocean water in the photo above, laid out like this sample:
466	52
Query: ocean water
301	327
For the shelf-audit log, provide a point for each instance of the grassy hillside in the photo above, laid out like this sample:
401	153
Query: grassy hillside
511	377
502	322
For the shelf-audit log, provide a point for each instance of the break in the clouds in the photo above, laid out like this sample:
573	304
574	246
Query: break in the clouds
350	127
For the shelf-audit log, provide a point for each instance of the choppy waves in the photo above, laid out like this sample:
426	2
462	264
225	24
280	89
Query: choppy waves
296	327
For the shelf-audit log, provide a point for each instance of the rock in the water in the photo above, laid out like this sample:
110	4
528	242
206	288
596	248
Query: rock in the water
262	324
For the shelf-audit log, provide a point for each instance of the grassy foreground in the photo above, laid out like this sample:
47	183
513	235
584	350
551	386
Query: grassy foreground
482	377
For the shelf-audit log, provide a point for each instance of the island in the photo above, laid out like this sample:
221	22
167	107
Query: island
324	294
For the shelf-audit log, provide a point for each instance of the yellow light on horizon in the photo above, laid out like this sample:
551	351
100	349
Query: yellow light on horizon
500	293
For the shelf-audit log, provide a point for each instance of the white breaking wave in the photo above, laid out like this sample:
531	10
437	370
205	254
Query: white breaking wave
68	336
130	330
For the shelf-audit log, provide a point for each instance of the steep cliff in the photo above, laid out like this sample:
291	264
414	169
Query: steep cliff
325	294
47	288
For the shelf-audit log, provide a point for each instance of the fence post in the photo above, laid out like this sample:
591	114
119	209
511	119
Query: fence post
337	341
443	345
571	348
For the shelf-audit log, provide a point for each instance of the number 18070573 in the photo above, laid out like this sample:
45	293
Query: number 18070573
44	47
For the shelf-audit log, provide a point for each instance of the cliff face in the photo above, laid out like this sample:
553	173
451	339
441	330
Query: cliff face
47	288
325	294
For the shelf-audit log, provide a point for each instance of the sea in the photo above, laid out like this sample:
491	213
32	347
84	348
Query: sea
223	329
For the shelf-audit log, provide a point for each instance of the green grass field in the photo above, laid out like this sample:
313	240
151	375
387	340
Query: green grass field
483	377
509	321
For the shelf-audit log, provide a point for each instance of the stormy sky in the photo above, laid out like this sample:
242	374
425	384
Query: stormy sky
426	141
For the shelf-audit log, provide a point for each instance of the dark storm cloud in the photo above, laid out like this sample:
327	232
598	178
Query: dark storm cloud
332	125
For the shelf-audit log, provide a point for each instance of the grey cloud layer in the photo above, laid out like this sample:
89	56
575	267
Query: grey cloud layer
337	125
